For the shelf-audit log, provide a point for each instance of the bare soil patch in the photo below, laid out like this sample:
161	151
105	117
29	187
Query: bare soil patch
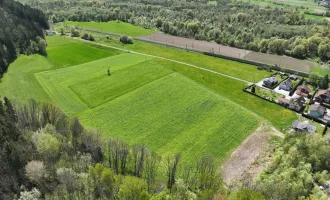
242	162
204	46
195	44
283	61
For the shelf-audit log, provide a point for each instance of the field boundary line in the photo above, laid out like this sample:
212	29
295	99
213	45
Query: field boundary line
171	60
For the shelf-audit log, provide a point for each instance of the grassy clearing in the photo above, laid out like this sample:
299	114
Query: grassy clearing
320	71
57	82
231	89
67	52
113	27
19	82
106	88
236	69
191	119
313	17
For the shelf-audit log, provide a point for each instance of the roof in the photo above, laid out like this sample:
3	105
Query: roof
294	77
271	80
323	92
283	100
317	107
300	87
299	100
287	84
304	126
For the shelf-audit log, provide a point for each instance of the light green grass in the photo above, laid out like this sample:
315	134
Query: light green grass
320	71
212	3
99	90
174	114
236	69
19	82
68	52
313	17
113	27
56	83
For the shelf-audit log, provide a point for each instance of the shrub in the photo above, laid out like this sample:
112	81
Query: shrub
126	40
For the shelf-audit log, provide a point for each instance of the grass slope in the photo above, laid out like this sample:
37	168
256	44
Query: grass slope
106	88
191	119
57	82
113	27
236	69
19	82
68	52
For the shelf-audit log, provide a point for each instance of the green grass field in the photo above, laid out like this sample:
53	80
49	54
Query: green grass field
320	71
113	27
313	17
168	106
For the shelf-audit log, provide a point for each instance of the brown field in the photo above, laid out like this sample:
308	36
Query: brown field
195	44
283	61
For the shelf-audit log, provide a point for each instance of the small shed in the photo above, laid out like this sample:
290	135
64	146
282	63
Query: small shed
303	127
49	32
293	77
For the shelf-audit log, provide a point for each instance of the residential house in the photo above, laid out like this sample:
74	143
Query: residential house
286	85
303	90
293	77
317	111
270	82
303	127
323	96
296	103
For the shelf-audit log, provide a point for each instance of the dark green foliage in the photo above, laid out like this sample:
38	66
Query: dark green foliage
232	23
21	31
87	36
126	40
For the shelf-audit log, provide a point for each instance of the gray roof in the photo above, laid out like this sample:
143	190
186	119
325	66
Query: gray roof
271	80
299	100
303	126
286	84
294	77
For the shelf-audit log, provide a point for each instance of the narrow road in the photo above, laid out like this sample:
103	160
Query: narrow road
171	60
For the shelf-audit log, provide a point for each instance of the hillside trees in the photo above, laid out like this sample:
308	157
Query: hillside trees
21	32
238	24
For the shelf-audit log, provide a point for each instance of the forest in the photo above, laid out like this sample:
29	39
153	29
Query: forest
47	155
21	32
237	24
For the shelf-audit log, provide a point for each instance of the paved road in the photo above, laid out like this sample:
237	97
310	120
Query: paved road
171	60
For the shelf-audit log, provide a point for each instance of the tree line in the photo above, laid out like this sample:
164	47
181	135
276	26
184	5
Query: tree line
47	155
21	32
237	24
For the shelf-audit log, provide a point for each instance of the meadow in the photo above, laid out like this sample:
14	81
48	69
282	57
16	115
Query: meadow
168	106
113	27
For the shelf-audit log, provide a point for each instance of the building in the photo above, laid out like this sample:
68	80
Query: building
286	85
269	82
303	127
303	90
49	32
296	103
317	111
293	77
323	96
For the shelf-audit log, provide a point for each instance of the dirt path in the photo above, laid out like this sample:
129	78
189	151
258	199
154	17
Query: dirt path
242	161
171	60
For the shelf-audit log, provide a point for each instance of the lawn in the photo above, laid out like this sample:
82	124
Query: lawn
57	82
313	17
113	27
168	106
237	69
320	71
65	52
191	119
144	101
19	82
